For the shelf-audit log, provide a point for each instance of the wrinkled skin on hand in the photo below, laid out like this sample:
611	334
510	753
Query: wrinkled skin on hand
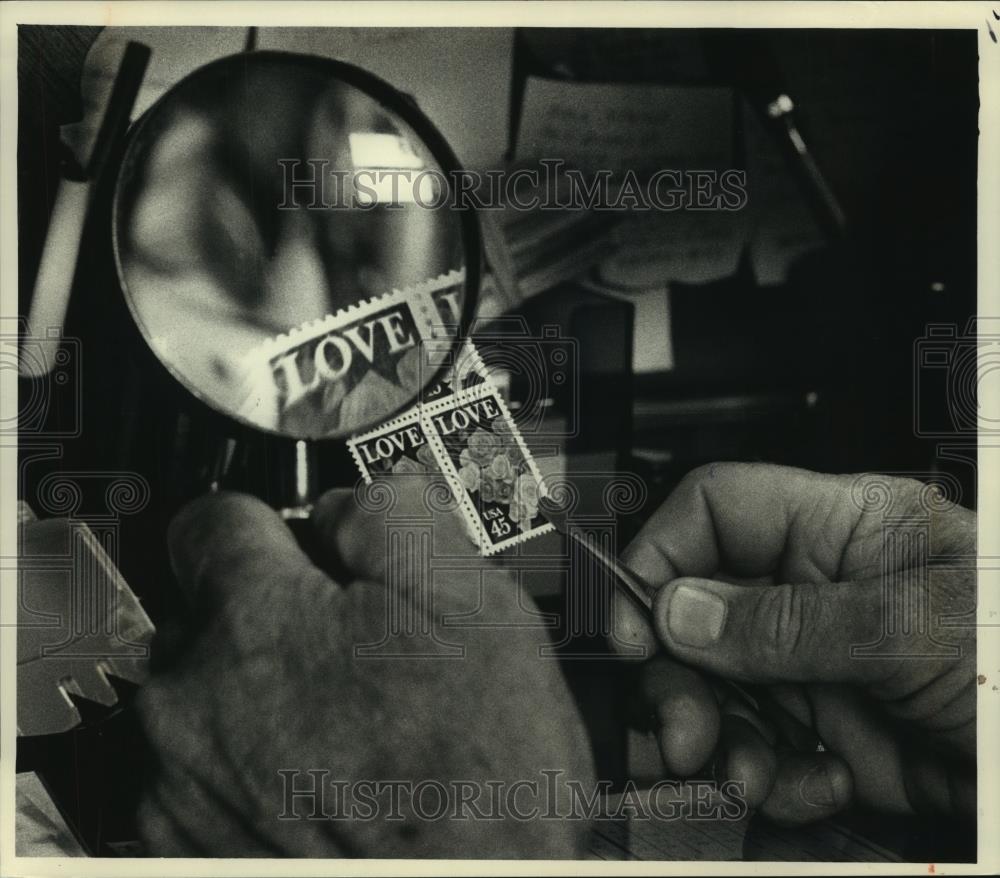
770	575
270	681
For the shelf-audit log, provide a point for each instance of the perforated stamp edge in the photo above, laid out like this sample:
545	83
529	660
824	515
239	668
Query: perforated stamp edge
486	545
416	297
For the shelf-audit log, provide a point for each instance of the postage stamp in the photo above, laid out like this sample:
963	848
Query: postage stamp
488	466
467	434
348	368
445	294
460	427
399	446
392	447
464	371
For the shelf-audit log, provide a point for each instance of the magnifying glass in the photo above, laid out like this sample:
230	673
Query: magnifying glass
267	207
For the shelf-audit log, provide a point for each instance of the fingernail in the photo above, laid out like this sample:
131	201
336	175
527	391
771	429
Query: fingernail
816	789
695	616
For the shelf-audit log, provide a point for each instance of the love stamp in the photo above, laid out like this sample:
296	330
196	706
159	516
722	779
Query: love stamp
488	466
399	446
464	369
349	367
470	437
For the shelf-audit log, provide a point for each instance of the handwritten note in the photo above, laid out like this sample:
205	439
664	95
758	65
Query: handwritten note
643	128
688	246
594	126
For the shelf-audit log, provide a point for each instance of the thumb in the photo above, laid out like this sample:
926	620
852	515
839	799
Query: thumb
228	543
773	633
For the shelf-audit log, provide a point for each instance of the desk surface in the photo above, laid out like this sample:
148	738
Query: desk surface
643	836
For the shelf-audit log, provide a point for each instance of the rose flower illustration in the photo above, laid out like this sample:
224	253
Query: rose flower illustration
493	466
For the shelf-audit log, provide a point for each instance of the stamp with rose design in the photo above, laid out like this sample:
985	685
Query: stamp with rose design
488	465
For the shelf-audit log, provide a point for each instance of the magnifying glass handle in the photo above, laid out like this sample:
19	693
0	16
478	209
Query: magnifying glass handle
308	539
285	475
298	504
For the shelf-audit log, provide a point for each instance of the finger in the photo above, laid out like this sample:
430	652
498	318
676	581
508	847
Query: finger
808	787
747	759
771	634
936	784
793	701
893	773
857	729
180	816
789	716
332	511
225	543
738	519
686	709
160	832
631	633
359	526
773	720
738	706
632	625
788	729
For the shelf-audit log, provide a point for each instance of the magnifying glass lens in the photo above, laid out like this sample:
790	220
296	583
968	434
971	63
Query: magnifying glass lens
287	245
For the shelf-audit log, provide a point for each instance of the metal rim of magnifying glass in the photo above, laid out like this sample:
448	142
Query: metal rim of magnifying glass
387	96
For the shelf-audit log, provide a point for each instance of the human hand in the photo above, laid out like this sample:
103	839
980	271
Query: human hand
770	575
270	681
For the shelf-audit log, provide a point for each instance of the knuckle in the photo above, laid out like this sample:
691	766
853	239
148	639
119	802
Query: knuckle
705	474
780	622
273	612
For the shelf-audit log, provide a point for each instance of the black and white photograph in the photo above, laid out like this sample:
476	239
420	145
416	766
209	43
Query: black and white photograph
471	437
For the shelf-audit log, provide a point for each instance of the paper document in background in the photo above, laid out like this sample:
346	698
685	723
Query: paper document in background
686	245
595	126
643	128
652	338
619	54
460	79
